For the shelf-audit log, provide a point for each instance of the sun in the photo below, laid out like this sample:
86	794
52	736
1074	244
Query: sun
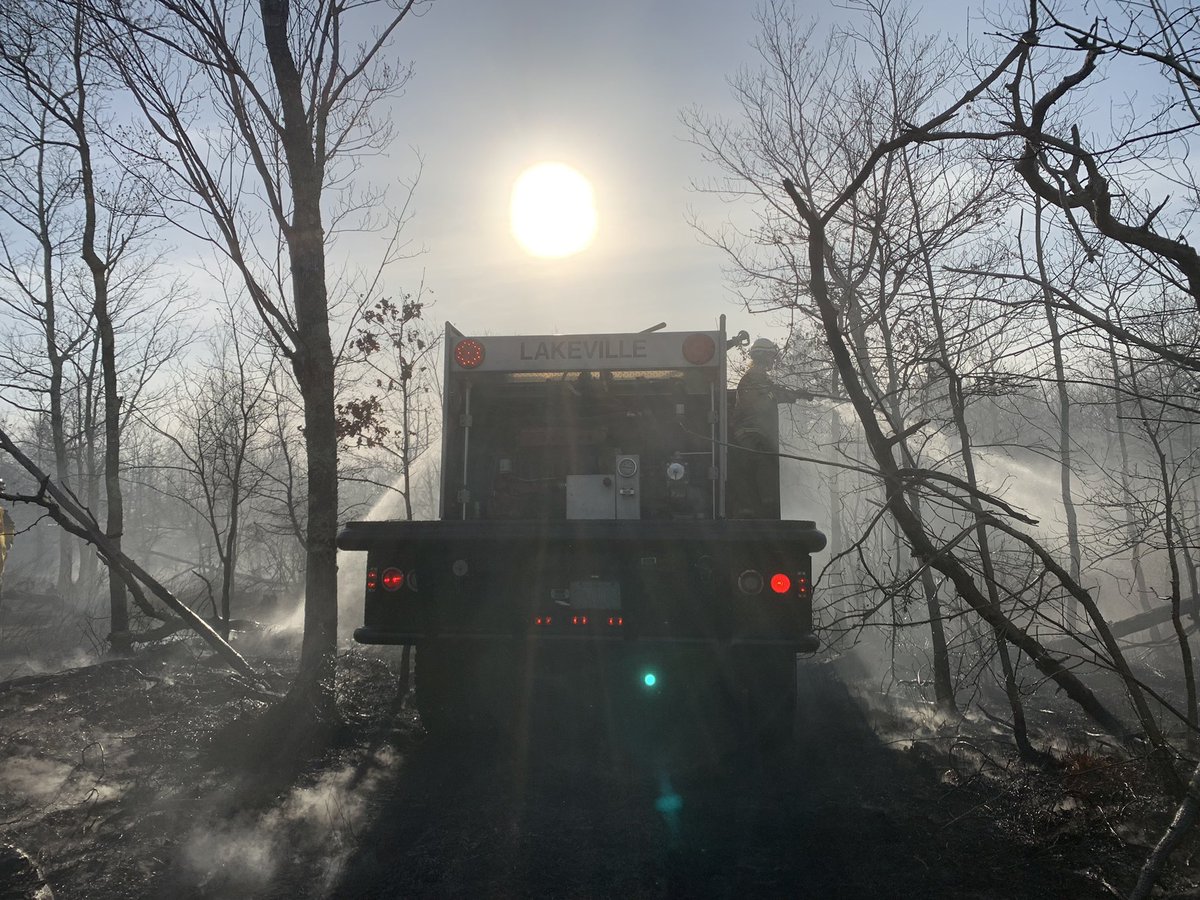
553	211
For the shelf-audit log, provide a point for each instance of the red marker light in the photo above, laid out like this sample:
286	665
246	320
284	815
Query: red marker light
699	349
468	353
372	579
780	583
392	579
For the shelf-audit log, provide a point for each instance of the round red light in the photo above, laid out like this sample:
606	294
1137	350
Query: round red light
468	353
780	583
392	579
699	349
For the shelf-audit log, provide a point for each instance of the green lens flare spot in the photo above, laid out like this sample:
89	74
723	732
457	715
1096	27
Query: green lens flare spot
649	679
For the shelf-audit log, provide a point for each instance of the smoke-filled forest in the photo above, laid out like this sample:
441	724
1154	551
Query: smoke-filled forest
217	346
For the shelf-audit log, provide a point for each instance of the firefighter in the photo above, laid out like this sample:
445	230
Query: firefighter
754	432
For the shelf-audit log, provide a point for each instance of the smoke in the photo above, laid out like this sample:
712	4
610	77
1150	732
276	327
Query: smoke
315	824
34	779
1029	483
21	665
352	566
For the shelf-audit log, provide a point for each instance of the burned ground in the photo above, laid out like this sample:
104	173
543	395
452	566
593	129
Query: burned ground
143	778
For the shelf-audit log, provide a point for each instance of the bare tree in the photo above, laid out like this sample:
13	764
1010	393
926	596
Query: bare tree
294	108
216	425
820	129
55	62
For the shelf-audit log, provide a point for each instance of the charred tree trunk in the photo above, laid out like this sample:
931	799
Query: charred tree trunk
119	637
1064	401
1133	532
1168	532
943	683
54	358
312	361
958	410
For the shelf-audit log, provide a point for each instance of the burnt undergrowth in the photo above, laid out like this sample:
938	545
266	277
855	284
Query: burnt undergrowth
166	775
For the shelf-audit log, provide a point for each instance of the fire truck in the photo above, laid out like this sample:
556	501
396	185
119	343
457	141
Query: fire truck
583	540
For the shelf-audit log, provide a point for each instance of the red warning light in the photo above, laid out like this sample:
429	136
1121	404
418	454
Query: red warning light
699	349
468	353
372	579
393	579
780	583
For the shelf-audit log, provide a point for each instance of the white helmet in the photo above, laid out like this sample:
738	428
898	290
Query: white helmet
763	347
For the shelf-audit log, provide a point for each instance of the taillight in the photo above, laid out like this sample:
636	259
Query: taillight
468	353
393	579
780	583
372	578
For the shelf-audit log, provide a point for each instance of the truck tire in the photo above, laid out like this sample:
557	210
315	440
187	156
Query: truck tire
464	688
766	687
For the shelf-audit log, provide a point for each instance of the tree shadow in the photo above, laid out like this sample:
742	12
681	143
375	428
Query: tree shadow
572	808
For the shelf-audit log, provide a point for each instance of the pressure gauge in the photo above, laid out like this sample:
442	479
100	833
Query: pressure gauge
676	471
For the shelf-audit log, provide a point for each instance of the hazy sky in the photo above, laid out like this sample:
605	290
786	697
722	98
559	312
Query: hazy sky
499	86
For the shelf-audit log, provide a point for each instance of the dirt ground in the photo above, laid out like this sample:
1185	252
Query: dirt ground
132	779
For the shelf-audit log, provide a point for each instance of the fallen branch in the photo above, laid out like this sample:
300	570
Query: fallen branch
70	516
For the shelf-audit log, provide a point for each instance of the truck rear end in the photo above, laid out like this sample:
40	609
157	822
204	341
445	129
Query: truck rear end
583	525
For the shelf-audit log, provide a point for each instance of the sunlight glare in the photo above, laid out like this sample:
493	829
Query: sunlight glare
553	211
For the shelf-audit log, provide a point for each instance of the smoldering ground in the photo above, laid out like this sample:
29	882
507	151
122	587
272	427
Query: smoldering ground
129	780
314	825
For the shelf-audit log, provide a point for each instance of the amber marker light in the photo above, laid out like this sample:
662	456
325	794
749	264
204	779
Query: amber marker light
468	353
